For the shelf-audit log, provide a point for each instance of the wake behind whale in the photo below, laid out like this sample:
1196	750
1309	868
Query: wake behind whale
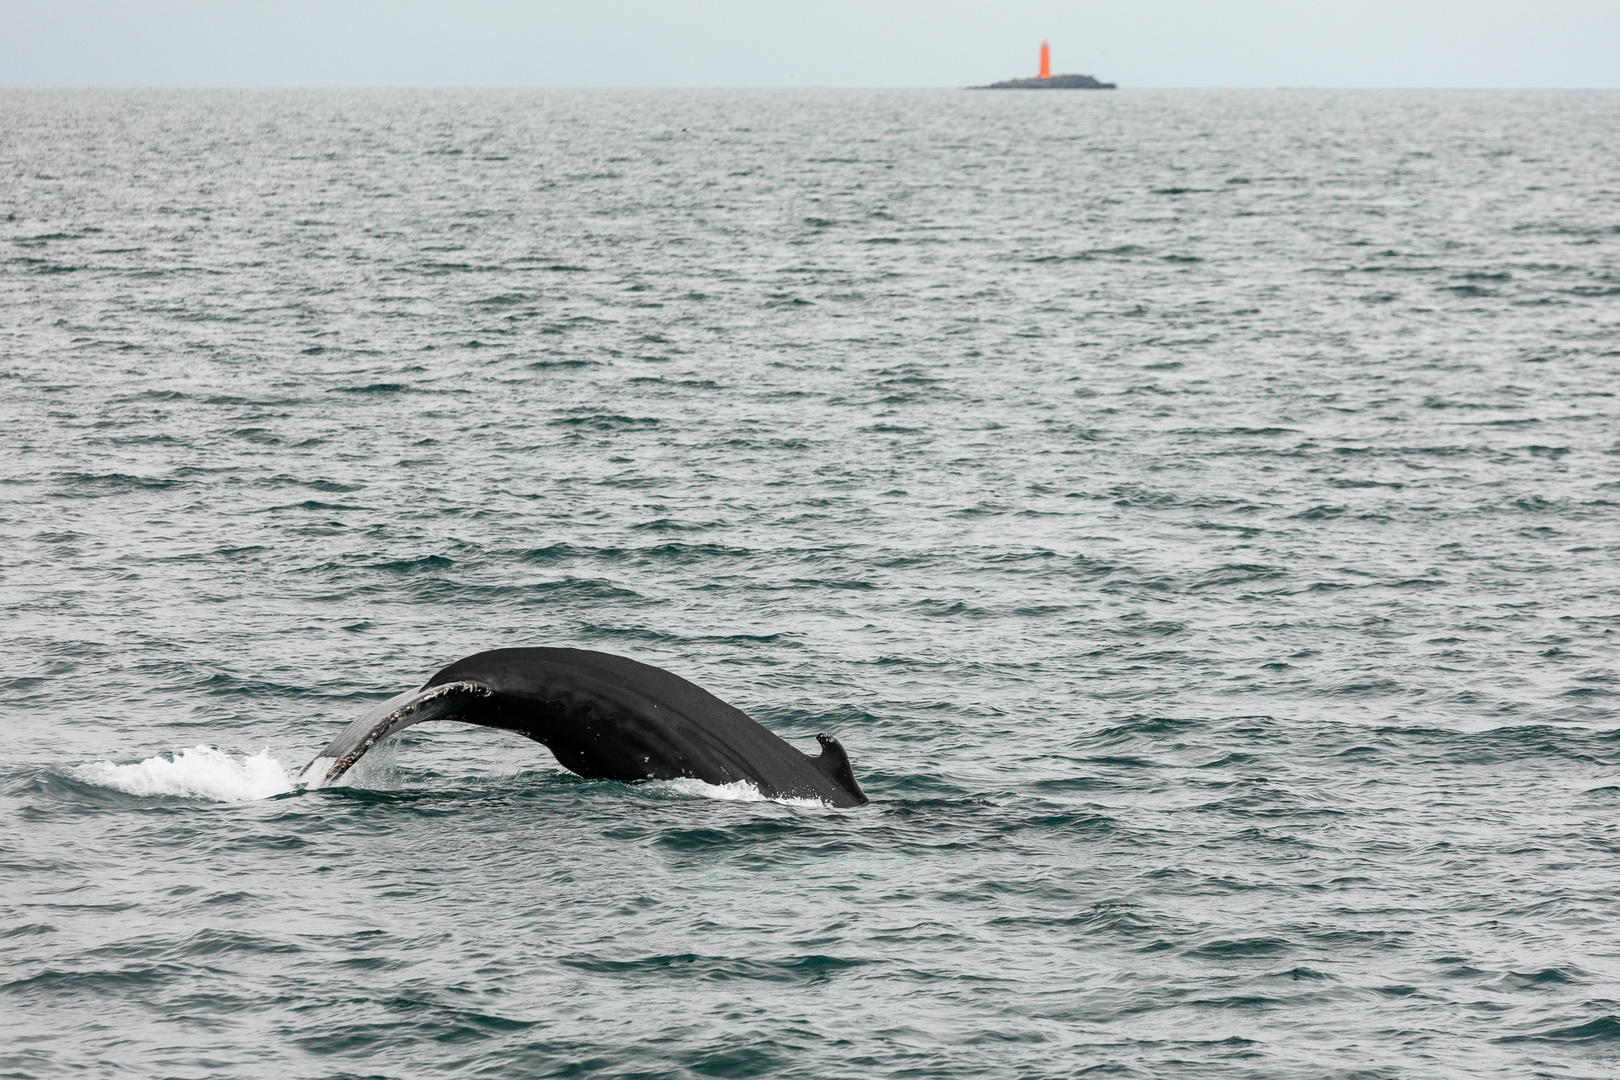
604	717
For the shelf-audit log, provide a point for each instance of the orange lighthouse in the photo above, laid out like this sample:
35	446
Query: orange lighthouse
1046	61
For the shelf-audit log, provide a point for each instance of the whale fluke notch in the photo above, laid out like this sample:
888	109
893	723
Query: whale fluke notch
605	717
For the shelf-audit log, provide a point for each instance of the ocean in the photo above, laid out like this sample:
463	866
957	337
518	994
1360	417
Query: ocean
1197	513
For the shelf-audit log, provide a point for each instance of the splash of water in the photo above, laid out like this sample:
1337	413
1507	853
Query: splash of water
736	791
202	772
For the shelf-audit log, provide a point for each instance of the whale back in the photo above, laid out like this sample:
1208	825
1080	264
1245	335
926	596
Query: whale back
609	717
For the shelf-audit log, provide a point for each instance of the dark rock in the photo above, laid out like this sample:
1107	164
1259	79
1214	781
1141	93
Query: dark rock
1056	82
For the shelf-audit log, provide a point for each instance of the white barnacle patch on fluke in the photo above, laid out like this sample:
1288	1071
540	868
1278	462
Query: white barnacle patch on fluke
383	720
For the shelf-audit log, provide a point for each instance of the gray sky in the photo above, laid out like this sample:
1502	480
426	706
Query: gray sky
1415	43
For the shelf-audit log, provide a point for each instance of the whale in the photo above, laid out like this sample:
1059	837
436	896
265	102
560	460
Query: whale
603	717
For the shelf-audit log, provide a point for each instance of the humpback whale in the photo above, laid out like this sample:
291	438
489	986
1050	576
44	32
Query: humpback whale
607	718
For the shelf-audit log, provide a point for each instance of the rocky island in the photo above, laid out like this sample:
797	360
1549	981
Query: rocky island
1047	81
1051	82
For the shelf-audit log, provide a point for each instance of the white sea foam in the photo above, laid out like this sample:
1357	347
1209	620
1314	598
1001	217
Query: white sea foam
205	772
314	774
201	772
736	791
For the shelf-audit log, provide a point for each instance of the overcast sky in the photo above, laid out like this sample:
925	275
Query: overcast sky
1142	43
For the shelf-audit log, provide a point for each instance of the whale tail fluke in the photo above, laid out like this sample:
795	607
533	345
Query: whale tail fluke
833	763
447	701
603	717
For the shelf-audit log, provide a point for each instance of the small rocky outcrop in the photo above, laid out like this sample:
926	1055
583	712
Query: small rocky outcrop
1056	82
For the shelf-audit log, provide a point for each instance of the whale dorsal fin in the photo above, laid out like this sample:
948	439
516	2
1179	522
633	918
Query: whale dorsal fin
833	763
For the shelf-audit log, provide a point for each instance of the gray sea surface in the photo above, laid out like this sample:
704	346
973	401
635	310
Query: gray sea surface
1196	512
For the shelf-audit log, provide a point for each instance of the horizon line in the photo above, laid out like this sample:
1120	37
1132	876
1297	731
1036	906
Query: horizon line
752	86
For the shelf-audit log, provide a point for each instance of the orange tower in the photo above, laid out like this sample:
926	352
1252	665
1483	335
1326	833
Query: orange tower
1046	61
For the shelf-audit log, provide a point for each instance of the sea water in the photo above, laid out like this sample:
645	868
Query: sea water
1196	512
